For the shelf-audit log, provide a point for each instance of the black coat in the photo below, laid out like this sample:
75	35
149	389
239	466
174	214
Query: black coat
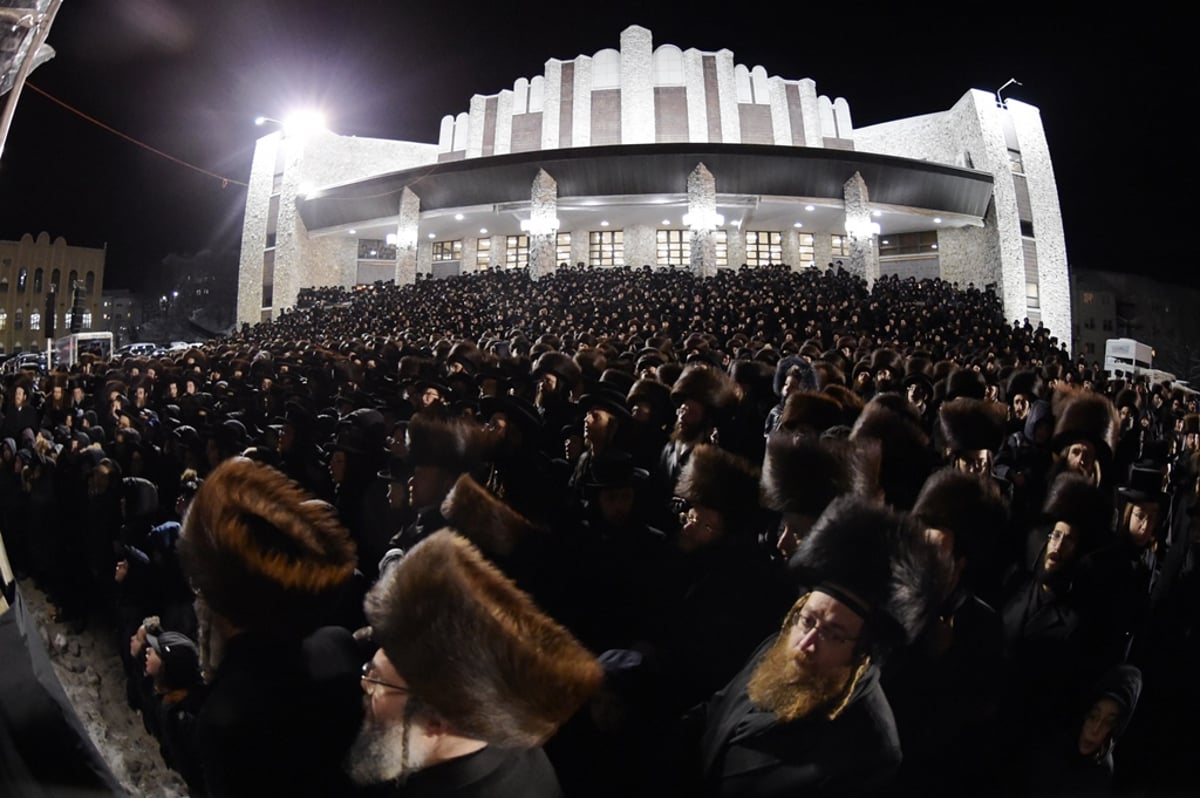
744	751
488	773
280	716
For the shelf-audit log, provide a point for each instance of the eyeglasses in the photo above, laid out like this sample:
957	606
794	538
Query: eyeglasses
825	634
369	676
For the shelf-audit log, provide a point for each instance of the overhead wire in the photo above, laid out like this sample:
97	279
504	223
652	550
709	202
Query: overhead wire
225	181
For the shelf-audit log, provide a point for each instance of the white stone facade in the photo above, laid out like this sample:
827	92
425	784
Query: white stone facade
660	95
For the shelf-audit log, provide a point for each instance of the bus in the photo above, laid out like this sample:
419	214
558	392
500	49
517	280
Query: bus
68	348
1127	356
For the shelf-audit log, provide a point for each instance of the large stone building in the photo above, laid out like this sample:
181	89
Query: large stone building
657	155
31	268
1166	316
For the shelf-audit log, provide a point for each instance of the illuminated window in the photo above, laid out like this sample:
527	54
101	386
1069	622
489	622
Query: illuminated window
722	249
516	251
22	278
763	247
375	249
1088	298
924	243
35	320
1031	295
673	247
483	253
87	320
808	250
840	247
606	247
3	318
562	248
447	250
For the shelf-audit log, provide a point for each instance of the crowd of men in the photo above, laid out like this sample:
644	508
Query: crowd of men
628	532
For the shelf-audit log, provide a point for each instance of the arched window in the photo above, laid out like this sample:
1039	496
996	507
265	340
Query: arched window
37	281
22	279
35	320
3	318
55	277
74	275
87	320
90	284
19	320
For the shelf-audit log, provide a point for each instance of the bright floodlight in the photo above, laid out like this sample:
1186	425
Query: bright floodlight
303	123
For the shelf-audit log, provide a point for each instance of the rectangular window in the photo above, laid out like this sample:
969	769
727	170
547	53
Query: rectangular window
1088	297
35	321
1031	296
606	247
483	253
1108	325
447	250
840	246
562	248
674	247
376	249
808	249
1091	348
516	252
722	249
763	247
924	243
1015	163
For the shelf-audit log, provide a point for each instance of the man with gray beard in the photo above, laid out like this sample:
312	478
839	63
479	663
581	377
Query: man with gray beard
469	680
807	714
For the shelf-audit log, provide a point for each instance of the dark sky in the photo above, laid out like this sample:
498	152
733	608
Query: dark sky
189	77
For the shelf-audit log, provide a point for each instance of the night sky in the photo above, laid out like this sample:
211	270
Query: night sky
188	78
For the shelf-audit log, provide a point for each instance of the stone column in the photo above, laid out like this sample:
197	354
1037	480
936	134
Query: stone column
637	86
406	238
543	225
860	231
703	221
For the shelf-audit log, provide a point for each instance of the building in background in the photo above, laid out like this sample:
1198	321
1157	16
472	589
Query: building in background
29	270
658	155
121	314
1117	305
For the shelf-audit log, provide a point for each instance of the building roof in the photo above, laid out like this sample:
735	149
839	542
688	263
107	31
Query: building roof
650	169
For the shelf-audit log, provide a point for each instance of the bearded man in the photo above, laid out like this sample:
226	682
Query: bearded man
807	714
469	680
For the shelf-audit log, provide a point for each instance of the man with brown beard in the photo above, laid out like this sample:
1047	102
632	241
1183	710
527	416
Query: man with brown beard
807	715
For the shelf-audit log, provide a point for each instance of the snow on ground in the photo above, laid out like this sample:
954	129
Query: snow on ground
90	671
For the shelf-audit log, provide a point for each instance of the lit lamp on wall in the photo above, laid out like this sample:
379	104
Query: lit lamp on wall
862	229
700	221
540	226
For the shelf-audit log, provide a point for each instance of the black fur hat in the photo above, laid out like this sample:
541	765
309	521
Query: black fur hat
710	387
804	474
454	444
809	411
1087	416
874	561
970	425
905	456
1074	499
1027	383
967	506
560	365
720	480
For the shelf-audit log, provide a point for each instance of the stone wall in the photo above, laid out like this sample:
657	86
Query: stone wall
641	244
